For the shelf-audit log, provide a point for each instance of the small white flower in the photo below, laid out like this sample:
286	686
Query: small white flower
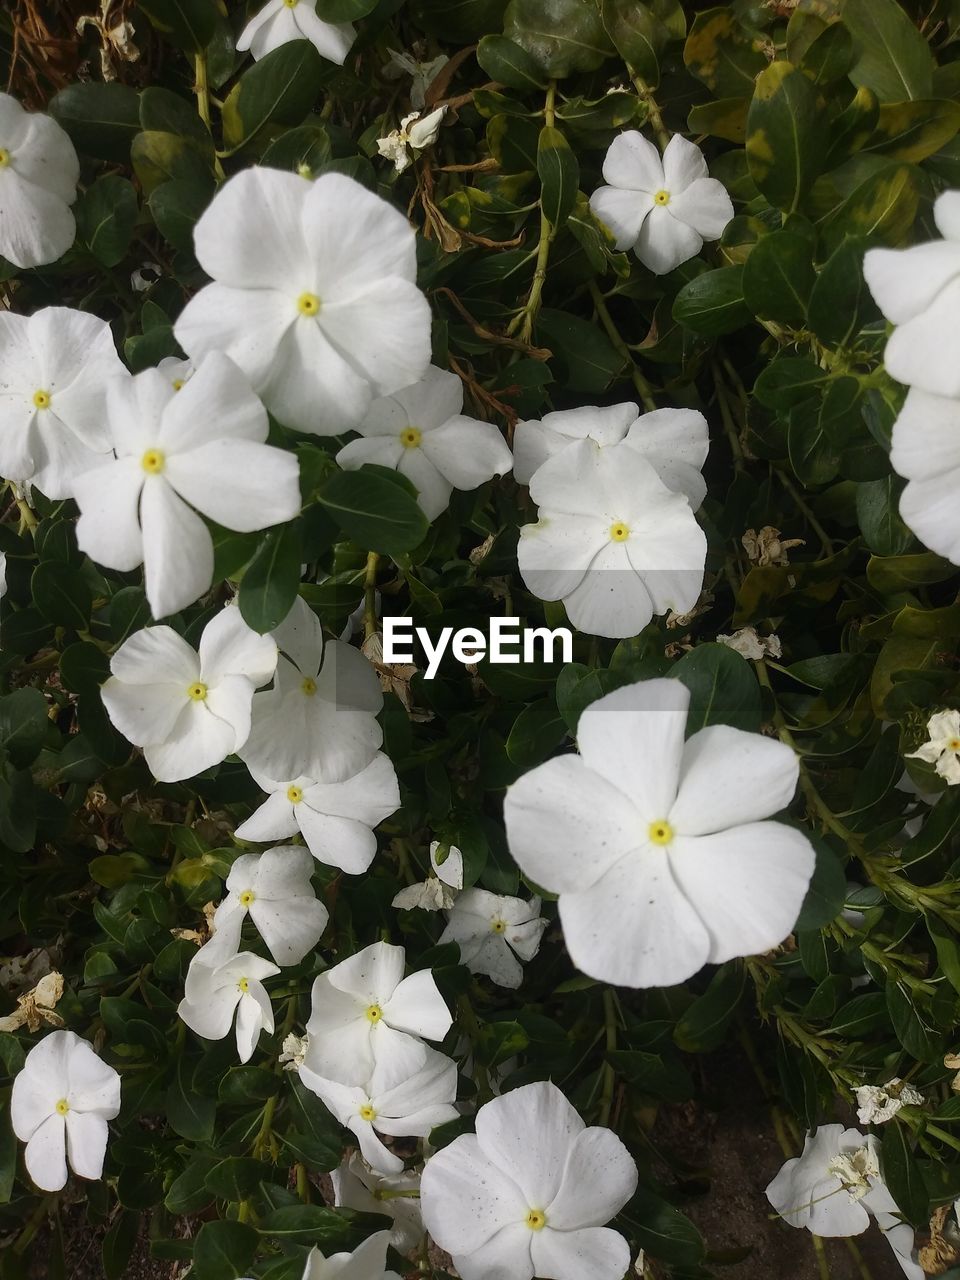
293	1051
219	985
439	891
612	542
876	1104
274	889
317	720
280	21
423	73
674	441
364	1013
62	1098
748	644
39	172
421	432
926	452
55	368
394	1103
943	746
665	208
367	1262
530	1193
656	846
357	1186
918	290
414	135
179	452
188	710
492	931
314	295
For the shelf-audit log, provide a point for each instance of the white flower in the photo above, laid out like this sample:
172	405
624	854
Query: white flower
414	135
39	172
367	1262
833	1188
219	985
926	452
943	746
177	370
655	845
280	21
918	290
364	1013
274	889
336	819
317	720
492	931
55	368
188	710
357	1186
674	441
665	208
292	1052
876	1104
423	73
439	891
612	542
62	1098
530	1193
315	295
421	432
394	1103
749	645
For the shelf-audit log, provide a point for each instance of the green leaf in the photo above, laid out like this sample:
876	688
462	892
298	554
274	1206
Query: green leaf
882	208
878	514
912	1024
237	1177
101	119
559	175
162	111
637	34
159	157
463	20
176	206
829	57
723	688
280	88
23	725
61	595
536	732
224	1250
345	10
827	891
190	1110
189	24
840	303
376	509
663	1231
588	362
308	1224
778	277
506	61
721	54
788	380
269	584
784	137
561	36
650	1073
911	131
119	1243
895	60
902	1176
106	216
948	949
188	1193
712	303
703	1024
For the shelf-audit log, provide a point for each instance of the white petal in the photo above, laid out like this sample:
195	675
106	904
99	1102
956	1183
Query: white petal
929	509
905	282
230	701
528	1134
505	1256
359	240
599	1178
156	655
556	553
36	226
632	161
46	1152
467	452
926	436
729	777
417	1007
683	164
135	409
86	1143
664	241
177	549
250	1023
465	1198
623	211
237	483
92	1084
214	403
433	490
250	236
274	820
248	325
197	742
433	400
704	205
333	40
292	927
229	647
385	331
925	351
596	1252
143	712
382	451
946	214
675	442
312	386
108	529
46	156
59	456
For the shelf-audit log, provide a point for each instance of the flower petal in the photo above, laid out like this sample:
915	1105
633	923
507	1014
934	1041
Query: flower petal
239	484
925	351
36	226
465	1197
433	489
596	1252
599	1177
248	325
108	529
250	236
528	1134
312	386
505	1256
177	549
467	453
198	741
216	402
46	1152
358	240
417	1007
683	164
704	205
729	777
905	282
229	647
384	332
664	241
86	1143
632	161
623	212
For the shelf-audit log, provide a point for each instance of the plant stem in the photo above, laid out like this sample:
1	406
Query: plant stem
822	1263
525	319
812	521
609	1075
201	87
370	596
653	107
644	390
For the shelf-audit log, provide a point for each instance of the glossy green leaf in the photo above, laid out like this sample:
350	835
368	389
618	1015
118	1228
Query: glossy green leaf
562	36
559	175
376	509
106	216
784	143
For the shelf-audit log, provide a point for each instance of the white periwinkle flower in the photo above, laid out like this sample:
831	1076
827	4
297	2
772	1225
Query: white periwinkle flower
612	541
39	172
674	441
62	1098
314	295
188	710
876	1104
662	208
200	449
530	1193
280	21
220	985
414	135
918	290
364	1013
494	933
367	1262
55	367
926	452
317	720
357	1186
423	73
421	432
655	845
394	1103
274	889
833	1188
439	891
942	747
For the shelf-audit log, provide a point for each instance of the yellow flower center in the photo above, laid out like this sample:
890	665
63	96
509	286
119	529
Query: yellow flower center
178	384
41	399
197	692
953	744
661	197
367	1113
498	926
62	1107
243	985
536	1219
308	686
308	304
305	171
5	157
153	462
247	898
410	437
660	832
619	532
291	4
294	794
374	1013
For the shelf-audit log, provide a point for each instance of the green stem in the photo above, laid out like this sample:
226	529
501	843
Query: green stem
370	595
653	107
825	542
609	1075
644	390
525	319
201	87
726	417
822	1263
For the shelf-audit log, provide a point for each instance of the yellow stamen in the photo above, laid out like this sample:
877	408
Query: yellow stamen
247	898
661	197
244	985
536	1219
619	532
62	1107
291	4
153	462
308	686
5	157
197	692
41	399
178	384
498	926
660	832
308	304
294	794
410	437
953	744
368	1113
374	1013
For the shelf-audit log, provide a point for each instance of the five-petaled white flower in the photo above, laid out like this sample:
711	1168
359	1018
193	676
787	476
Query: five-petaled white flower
367	1262
421	432
439	891
492	931
357	1186
918	290
414	135
612	542
662	208
221	984
530	1193
835	1186
280	21
365	1013
942	748
62	1098
179	452
39	172
274	889
394	1103
655	845
674	441
926	452
55	367
314	295
317	720
188	710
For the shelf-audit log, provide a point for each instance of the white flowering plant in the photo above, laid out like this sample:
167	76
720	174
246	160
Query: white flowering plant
633	323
